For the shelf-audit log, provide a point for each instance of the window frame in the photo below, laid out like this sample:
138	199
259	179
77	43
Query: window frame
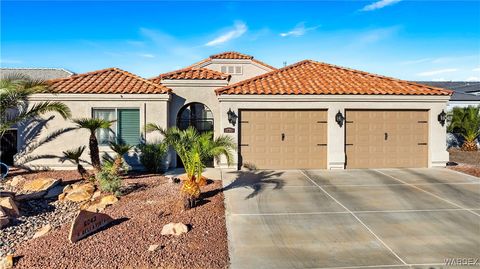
115	132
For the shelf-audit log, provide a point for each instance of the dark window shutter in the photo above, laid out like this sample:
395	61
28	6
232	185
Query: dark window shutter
129	126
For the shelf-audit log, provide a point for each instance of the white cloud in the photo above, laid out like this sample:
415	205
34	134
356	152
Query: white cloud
418	61
299	30
473	78
238	30
376	35
146	55
476	69
436	72
379	4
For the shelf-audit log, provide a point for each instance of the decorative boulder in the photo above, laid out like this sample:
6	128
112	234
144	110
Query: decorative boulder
54	192
16	181
174	229
40	184
4	220
6	262
42	231
78	192
99	204
9	206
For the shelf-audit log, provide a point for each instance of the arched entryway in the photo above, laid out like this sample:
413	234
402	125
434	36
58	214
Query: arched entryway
197	115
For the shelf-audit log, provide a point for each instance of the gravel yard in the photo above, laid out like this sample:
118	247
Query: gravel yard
149	203
468	161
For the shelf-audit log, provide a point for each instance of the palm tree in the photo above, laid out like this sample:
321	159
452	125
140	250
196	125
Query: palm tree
73	156
15	90
194	150
120	150
93	124
466	122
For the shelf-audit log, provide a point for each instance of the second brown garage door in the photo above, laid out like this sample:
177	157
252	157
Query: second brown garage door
283	139
386	138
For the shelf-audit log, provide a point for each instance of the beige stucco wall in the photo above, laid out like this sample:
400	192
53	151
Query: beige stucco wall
437	154
153	108
250	69
190	91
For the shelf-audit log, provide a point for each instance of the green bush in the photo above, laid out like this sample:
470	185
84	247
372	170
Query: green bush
109	181
152	156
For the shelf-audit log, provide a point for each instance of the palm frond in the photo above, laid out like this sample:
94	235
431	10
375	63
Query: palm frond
92	124
120	149
73	155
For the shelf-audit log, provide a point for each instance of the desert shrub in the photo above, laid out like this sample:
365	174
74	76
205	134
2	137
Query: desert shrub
153	155
109	181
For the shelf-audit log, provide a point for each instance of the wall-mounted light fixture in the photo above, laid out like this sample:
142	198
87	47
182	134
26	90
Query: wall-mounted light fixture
232	117
442	117
339	118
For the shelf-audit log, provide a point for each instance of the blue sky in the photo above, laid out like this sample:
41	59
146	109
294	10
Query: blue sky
415	40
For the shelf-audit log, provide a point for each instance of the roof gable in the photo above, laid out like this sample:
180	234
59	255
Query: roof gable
110	80
192	73
231	55
311	77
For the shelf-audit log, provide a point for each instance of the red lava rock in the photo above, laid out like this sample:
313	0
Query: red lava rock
140	216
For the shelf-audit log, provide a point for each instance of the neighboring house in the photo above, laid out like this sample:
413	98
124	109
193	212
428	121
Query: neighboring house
306	115
37	73
9	143
466	93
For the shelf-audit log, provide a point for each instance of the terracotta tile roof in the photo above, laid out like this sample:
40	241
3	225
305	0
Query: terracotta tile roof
110	80
232	55
192	73
310	77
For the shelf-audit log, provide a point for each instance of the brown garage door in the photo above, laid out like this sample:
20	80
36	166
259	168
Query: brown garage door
283	139
386	138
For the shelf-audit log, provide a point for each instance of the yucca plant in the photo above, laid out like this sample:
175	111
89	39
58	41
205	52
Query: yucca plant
194	150
15	90
93	124
120	150
466	122
73	156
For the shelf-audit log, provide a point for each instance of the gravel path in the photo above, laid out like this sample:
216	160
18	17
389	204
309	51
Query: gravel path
140	216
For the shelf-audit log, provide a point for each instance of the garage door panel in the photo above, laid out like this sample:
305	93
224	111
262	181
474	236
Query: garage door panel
390	138
302	130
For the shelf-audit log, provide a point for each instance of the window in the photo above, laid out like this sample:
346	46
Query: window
231	69
125	129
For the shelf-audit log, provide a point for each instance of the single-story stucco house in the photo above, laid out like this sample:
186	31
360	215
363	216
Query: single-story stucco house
306	115
8	142
465	93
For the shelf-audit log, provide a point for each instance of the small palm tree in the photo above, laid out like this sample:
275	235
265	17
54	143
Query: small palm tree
194	150
73	156
93	125
15	90
120	150
466	122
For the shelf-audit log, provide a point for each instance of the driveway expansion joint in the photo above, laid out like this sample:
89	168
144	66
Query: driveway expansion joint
356	217
427	192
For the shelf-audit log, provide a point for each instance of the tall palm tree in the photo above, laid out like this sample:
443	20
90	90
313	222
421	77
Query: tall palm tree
15	90
120	150
194	150
73	156
466	122
93	124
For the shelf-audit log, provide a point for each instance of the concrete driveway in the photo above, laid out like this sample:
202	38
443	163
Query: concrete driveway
385	218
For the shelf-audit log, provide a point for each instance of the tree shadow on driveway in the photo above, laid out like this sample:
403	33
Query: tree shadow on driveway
257	180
